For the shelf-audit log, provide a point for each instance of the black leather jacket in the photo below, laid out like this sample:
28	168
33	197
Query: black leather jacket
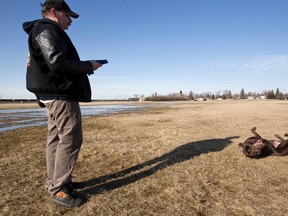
54	69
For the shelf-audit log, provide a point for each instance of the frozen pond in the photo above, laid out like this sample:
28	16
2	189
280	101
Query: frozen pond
18	118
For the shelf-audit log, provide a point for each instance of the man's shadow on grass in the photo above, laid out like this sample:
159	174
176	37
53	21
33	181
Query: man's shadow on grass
130	175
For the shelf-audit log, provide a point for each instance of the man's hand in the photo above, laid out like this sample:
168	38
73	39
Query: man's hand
95	64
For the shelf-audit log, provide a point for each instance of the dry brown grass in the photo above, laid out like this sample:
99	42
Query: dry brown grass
182	159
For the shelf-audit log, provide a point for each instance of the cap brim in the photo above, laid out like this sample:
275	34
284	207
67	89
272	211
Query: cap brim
73	14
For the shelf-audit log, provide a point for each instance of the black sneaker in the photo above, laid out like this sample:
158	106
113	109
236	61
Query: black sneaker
68	199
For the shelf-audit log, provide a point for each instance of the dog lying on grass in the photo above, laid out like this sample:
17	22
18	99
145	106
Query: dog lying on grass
257	147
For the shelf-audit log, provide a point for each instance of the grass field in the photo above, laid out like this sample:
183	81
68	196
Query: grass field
181	159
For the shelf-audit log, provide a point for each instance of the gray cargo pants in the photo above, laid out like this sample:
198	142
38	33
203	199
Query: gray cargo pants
64	141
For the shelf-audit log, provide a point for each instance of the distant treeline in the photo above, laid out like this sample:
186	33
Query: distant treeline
219	95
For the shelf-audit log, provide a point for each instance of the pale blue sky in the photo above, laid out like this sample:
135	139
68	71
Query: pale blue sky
161	46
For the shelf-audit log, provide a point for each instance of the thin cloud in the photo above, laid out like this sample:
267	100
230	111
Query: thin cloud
278	62
259	64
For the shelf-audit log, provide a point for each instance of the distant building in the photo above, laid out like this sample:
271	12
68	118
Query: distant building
262	97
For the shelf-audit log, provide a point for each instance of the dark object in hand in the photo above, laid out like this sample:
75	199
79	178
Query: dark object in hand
103	61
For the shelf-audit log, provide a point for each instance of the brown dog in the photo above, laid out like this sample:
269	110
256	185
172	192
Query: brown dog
256	146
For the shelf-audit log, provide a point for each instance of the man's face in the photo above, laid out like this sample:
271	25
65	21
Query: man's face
63	19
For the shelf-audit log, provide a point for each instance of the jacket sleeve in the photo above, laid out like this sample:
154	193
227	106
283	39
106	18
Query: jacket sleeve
54	51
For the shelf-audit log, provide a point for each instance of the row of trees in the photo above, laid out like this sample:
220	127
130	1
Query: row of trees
266	94
224	95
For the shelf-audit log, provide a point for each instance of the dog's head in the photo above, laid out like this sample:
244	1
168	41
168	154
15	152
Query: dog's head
252	147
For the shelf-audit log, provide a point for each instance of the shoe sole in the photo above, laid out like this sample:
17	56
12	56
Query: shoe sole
64	204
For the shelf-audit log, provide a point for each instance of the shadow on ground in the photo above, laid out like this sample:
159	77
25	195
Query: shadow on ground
180	154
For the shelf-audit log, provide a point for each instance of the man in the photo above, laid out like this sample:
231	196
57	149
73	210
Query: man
58	78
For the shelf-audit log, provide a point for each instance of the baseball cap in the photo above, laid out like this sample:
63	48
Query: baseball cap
59	5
